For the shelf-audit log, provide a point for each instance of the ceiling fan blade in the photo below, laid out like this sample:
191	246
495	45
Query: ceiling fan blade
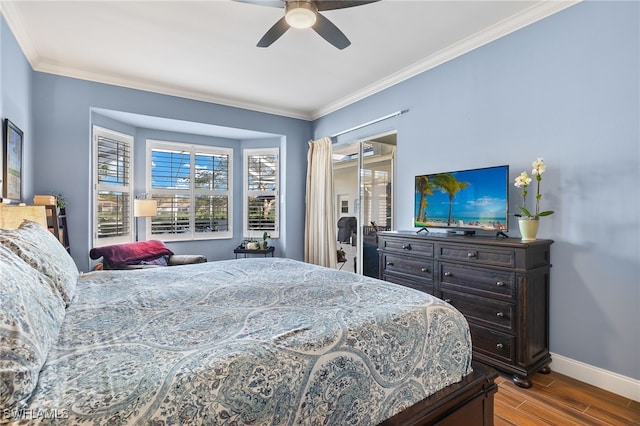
337	4
330	32
270	3
274	33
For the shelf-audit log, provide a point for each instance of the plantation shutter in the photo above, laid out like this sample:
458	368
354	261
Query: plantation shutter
113	171
192	186
262	185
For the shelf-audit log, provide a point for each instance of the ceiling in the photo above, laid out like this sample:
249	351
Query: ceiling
206	50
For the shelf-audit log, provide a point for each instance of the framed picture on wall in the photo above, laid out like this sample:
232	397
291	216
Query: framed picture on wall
12	163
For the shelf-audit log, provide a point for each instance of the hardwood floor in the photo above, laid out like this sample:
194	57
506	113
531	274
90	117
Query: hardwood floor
555	399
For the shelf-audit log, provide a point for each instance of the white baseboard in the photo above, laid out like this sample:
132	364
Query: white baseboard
613	382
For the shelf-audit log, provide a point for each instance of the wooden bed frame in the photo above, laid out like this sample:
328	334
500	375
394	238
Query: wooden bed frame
469	403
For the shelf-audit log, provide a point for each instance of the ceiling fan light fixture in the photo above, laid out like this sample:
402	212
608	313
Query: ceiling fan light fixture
300	14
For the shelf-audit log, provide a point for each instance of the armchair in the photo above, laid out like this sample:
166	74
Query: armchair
141	254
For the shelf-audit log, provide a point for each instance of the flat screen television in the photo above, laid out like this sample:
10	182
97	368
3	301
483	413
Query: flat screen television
464	200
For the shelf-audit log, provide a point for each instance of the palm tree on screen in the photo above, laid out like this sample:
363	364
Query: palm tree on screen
424	187
449	184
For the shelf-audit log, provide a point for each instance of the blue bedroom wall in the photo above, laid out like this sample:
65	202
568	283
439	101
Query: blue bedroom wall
566	89
15	99
62	116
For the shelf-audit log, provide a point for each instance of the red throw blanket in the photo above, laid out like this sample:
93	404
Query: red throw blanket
130	253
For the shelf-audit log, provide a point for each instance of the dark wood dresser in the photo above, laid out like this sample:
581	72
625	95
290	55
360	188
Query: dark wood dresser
501	285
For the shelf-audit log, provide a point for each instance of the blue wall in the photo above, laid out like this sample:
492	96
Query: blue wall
62	114
15	98
566	89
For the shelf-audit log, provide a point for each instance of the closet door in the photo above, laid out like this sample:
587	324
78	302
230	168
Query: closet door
363	182
376	201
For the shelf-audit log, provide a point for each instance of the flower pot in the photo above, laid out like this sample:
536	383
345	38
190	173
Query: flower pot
528	228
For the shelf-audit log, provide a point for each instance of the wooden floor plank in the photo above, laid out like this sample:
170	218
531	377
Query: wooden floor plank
563	416
509	396
499	421
621	416
516	417
560	393
555	399
592	390
543	379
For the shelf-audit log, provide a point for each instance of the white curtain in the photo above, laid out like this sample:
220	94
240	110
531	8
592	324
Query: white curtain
320	218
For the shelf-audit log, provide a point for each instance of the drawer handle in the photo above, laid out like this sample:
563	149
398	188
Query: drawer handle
499	314
499	346
406	246
424	269
448	274
389	263
447	300
500	283
472	255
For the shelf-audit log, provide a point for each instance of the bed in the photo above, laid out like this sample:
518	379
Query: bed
248	341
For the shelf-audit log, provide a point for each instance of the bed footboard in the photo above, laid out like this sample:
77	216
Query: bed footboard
469	402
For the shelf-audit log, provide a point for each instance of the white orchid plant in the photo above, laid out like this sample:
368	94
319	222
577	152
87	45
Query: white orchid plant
523	181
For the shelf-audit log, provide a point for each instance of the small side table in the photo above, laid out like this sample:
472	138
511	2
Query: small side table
267	251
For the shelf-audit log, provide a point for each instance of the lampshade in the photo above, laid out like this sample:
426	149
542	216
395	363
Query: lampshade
300	14
145	208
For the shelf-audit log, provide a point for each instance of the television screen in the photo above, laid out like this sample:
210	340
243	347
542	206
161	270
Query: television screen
476	199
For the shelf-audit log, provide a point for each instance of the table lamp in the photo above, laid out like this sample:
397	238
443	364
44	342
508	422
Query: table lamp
143	207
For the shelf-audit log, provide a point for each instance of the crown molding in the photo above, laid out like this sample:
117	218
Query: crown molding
527	17
533	14
163	89
12	17
17	27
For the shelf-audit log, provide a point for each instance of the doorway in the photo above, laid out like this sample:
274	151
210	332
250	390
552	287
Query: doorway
364	187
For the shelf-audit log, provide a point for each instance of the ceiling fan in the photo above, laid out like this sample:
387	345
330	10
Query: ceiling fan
305	14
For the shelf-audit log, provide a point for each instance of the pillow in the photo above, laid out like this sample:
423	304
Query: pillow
31	315
42	250
161	261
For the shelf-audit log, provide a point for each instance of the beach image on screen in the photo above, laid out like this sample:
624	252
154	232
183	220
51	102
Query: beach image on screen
464	199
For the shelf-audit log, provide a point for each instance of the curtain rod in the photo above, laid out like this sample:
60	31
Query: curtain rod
377	120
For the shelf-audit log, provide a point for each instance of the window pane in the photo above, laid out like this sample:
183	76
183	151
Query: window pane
261	205
173	215
170	169
193	186
262	172
212	172
113	214
212	213
262	213
113	162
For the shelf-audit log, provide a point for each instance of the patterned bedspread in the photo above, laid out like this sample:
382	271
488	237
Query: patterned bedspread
249	341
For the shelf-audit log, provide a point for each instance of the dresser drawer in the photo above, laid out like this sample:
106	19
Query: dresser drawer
420	268
478	280
489	312
500	285
425	286
404	245
477	254
494	344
